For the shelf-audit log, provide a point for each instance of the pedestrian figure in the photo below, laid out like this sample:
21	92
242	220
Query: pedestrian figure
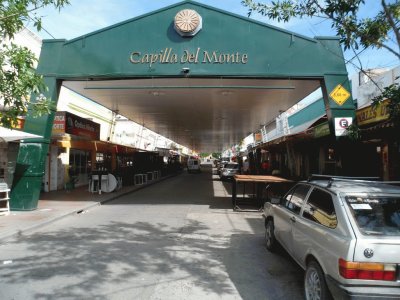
245	167
264	167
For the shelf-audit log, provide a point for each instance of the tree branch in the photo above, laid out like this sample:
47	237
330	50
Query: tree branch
389	17
381	45
18	13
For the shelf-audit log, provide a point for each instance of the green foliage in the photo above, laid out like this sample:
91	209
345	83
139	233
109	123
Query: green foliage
391	92
18	79
354	32
380	31
353	132
216	155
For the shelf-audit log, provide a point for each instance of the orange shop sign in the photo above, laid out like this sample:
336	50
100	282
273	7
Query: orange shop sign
65	122
257	137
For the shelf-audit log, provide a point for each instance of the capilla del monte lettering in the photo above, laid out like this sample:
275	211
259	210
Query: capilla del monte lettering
169	56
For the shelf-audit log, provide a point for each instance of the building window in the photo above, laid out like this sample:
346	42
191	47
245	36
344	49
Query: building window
79	162
103	161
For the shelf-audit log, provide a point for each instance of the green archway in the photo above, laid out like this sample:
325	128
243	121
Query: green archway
206	89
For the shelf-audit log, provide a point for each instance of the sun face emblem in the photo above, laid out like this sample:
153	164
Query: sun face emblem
187	22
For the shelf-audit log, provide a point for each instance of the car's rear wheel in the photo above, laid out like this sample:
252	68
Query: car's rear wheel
270	241
315	287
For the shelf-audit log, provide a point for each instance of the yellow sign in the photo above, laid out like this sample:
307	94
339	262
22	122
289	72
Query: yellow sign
373	114
339	94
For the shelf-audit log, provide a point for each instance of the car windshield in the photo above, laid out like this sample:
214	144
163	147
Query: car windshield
232	166
376	215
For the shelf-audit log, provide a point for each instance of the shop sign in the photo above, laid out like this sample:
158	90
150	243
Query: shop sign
321	130
339	94
199	56
65	122
373	114
341	125
258	137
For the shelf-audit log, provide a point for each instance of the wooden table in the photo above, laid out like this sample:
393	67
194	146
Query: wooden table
258	182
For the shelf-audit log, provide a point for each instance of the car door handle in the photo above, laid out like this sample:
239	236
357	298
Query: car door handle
293	219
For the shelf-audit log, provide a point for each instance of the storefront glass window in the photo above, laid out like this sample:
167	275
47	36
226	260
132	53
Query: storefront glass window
103	161
79	162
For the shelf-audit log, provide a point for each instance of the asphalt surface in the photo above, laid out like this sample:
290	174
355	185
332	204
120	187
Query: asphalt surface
177	239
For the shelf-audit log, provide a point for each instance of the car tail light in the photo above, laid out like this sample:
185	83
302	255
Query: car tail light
367	271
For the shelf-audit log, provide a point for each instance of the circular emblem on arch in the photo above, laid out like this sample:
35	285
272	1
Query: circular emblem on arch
187	22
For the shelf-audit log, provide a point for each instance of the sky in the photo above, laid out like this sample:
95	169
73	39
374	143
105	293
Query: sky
85	16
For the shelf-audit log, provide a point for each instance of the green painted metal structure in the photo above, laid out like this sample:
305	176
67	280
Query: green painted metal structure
312	111
255	50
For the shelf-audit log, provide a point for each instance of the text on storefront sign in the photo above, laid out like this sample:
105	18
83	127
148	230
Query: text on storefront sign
372	114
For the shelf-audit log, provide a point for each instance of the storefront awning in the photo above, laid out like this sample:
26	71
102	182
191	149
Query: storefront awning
9	135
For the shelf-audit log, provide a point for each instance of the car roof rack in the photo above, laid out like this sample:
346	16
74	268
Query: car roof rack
332	178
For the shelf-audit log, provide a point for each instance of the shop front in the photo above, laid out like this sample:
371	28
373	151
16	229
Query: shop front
76	152
379	152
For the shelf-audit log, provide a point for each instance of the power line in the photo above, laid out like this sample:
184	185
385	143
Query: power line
42	27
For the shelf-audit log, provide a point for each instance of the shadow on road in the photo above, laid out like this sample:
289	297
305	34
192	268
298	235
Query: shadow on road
220	253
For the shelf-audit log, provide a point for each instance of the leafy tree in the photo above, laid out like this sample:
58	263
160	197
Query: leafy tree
216	155
355	32
18	79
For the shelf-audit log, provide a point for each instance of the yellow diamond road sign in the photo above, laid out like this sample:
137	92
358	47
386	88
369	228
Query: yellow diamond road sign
339	94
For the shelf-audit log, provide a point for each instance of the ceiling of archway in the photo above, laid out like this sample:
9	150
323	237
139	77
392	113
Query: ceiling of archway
203	114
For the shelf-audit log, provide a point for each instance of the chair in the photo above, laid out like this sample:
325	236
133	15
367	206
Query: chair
119	182
94	183
138	179
103	183
150	176
5	208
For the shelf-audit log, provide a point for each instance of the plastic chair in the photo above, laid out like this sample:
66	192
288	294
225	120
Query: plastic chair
104	183
94	184
119	182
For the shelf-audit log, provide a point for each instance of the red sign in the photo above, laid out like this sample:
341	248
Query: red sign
65	122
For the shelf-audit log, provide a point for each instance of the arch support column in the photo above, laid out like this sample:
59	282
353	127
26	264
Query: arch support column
30	167
339	103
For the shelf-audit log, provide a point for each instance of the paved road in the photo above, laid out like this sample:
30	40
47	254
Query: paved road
178	239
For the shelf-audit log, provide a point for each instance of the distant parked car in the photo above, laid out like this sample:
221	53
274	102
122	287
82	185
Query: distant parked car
345	234
221	165
193	165
207	162
229	170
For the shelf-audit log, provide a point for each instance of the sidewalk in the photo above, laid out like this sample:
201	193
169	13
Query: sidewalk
56	205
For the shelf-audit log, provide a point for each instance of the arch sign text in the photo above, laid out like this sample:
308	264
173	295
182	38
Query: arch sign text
169	56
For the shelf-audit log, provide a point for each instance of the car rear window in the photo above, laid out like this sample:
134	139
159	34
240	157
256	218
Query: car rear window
232	166
376	215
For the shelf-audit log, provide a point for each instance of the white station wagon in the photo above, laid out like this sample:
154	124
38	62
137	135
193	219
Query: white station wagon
345	234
